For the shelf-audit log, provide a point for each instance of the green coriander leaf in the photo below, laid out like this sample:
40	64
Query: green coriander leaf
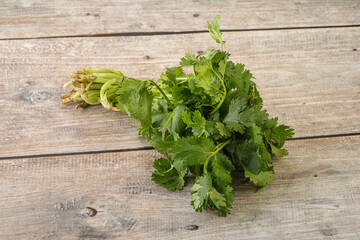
279	152
279	134
156	141
159	113
249	156
214	29
166	175
256	135
199	192
262	179
261	116
189	60
197	123
180	167
206	79
237	77
175	124
226	191
192	150
217	198
182	95
215	56
135	99
238	118
221	168
270	123
265	155
223	130
171	75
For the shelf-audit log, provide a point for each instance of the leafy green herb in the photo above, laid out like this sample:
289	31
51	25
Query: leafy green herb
209	122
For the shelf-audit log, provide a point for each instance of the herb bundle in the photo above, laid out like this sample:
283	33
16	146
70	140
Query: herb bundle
208	123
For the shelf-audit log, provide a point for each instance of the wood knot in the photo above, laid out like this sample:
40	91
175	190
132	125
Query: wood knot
192	227
91	212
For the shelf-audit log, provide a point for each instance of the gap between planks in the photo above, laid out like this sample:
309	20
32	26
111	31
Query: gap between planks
151	148
134	34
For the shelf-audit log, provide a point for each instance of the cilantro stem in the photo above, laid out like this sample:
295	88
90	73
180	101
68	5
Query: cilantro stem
223	85
201	133
221	145
166	124
162	92
216	150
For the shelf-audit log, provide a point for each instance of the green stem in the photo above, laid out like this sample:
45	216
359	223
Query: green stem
221	146
217	149
223	85
166	124
201	133
200	54
162	92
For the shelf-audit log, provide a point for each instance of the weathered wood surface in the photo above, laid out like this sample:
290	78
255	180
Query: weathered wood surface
29	19
315	195
309	78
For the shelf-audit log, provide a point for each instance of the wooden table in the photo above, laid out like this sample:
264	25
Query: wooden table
59	165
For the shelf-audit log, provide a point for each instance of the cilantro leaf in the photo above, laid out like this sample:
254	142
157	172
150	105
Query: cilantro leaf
197	123
206	79
222	129
214	29
174	123
135	99
238	118
221	168
189	60
280	133
192	150
199	192
166	175
170	76
262	179
237	77
204	196
279	152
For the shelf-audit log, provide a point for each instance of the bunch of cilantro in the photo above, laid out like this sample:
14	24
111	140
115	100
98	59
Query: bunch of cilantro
208	123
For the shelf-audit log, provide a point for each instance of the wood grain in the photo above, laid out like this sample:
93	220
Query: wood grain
39	18
315	195
309	78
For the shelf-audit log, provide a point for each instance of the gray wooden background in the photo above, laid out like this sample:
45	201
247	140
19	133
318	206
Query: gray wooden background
58	164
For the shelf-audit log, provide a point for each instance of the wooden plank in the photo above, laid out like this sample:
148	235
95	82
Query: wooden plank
309	78
38	18
315	195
